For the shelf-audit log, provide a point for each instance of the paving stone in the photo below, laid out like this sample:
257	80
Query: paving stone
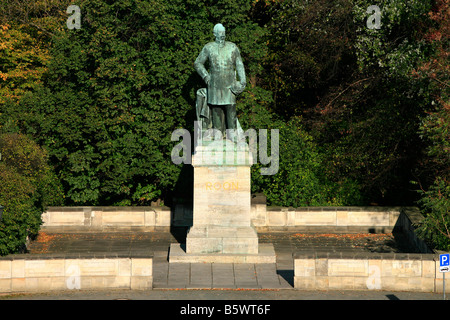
178	276
245	276
200	275
223	275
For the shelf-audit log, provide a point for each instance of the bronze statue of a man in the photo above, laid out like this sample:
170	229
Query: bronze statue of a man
222	86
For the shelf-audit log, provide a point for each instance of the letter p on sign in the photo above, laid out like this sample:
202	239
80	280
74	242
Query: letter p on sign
444	262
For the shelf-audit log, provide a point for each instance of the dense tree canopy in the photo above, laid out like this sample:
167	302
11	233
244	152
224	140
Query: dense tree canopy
362	112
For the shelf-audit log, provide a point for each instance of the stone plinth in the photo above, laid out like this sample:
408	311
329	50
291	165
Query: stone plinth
222	228
222	196
221	239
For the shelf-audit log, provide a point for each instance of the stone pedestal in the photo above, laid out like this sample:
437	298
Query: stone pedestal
222	228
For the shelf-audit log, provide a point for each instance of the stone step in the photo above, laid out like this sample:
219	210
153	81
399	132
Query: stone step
218	276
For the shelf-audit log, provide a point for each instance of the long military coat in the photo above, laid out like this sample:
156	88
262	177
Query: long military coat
224	62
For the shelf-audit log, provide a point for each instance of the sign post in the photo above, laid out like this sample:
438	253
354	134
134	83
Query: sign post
444	266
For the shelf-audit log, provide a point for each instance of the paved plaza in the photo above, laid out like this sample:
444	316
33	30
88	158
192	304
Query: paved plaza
262	276
184	281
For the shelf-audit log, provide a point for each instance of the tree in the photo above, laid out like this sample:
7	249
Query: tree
433	175
352	86
116	89
300	179
28	185
26	28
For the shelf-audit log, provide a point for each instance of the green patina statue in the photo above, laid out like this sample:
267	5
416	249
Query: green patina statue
222	86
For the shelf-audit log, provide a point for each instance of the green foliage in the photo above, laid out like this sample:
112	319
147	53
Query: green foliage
360	112
27	186
116	89
310	49
300	180
394	47
435	204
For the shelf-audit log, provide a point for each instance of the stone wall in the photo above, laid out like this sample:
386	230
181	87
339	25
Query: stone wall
373	271
106	218
385	271
407	223
264	218
25	273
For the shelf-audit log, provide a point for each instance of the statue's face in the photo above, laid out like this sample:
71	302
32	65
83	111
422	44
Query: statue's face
220	37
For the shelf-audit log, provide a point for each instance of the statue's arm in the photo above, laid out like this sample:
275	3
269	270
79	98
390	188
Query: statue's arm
199	65
240	72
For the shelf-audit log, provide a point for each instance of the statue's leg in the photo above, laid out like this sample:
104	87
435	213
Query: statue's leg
230	111
218	118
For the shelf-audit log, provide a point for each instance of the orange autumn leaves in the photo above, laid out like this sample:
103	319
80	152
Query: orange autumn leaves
23	60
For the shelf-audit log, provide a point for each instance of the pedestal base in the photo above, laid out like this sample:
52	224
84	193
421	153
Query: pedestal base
266	254
222	239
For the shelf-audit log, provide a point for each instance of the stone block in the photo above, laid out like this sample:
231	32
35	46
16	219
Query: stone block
347	283
219	239
276	218
142	267
44	268
141	283
322	282
304	267
258	214
92	267
429	269
315	218
104	282
18	285
18	268
203	245
124	266
5	269
240	245
96	218
341	218
438	285
321	267
348	267
39	284
5	285
393	217
399	284
67	218
123	218
162	217
304	283
401	268
368	218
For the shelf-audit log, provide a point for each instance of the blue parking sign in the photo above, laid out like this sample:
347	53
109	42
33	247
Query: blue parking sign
444	262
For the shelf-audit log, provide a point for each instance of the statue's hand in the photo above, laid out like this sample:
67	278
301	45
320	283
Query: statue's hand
237	88
207	79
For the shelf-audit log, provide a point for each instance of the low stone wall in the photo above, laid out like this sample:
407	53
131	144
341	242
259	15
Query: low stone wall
386	271
28	273
407	222
336	219
106	218
316	219
374	271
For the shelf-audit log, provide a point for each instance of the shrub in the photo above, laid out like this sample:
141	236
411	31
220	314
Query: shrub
27	185
435	202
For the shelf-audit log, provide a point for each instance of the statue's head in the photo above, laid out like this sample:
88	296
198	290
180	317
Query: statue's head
219	33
